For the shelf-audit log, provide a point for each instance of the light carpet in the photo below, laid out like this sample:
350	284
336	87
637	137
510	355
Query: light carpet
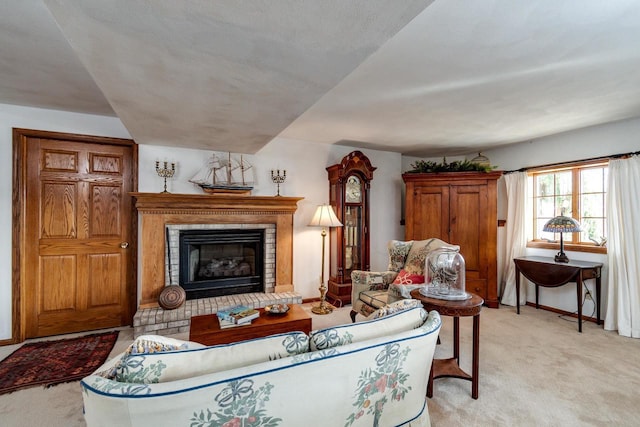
535	370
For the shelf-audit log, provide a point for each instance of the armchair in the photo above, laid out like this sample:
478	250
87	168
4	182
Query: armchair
372	290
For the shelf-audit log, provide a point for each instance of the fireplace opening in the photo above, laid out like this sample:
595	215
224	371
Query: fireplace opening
221	262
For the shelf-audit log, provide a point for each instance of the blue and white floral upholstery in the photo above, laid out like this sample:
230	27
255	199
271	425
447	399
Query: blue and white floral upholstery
378	376
347	334
371	290
151	367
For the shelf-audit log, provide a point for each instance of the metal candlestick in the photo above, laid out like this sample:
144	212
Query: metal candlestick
278	179
165	172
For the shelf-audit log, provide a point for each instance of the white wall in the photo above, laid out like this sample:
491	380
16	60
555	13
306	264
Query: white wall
594	141
305	163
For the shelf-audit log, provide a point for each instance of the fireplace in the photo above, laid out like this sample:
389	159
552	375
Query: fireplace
221	262
210	260
164	215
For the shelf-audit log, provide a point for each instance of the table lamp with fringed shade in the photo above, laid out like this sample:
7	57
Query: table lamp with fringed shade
324	217
562	224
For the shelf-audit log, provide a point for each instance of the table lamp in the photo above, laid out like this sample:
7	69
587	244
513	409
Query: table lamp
325	218
562	224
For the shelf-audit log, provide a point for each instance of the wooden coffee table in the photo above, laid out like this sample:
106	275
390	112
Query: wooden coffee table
206	329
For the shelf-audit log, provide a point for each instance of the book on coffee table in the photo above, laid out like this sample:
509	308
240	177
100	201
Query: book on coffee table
206	329
239	314
224	324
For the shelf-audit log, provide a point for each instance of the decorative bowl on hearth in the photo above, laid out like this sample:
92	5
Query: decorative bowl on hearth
276	309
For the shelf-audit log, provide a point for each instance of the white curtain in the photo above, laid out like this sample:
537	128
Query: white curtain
516	235
623	247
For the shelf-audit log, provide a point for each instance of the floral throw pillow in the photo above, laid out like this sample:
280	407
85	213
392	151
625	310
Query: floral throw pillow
398	252
145	344
406	278
403	320
398	306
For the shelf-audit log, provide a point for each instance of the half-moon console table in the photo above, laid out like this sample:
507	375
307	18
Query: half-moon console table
543	271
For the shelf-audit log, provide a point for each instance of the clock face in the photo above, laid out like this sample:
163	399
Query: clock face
353	190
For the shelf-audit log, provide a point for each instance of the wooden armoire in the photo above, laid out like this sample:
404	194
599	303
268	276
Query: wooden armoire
460	208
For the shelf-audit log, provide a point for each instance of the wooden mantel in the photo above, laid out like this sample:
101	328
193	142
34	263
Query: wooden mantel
159	209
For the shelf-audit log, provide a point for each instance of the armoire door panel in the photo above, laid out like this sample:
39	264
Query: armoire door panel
467	210
430	214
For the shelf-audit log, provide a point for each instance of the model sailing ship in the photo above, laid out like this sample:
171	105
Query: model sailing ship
225	175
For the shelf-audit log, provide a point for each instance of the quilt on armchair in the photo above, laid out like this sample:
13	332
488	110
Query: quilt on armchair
372	290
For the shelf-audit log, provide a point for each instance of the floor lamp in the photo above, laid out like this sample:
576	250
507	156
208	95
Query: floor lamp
325	218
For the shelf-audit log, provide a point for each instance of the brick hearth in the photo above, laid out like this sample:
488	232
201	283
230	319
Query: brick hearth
159	321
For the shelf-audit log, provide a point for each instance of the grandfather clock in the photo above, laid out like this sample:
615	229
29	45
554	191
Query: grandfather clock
349	183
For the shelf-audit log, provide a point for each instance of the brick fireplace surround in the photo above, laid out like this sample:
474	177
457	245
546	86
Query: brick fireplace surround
157	211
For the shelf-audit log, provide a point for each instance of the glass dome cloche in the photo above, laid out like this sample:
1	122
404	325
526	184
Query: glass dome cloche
445	275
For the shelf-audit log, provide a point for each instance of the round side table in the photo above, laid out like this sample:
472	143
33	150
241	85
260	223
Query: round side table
451	367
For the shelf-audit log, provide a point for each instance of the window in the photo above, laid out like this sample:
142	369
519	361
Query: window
578	191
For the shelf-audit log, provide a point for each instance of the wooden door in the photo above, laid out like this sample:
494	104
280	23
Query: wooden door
78	270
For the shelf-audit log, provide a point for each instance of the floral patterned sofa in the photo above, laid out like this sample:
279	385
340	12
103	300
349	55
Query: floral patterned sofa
371	290
369	373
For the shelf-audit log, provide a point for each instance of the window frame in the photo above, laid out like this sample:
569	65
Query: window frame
575	169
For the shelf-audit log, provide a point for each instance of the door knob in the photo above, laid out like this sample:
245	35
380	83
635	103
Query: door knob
124	245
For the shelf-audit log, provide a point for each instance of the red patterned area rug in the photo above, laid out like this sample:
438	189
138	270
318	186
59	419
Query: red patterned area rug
49	363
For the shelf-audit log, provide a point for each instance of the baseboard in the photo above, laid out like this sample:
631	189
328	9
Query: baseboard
564	313
8	342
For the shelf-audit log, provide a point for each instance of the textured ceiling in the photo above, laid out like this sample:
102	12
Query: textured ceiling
466	75
227	75
421	78
38	68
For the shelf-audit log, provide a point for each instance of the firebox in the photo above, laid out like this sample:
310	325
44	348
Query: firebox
221	262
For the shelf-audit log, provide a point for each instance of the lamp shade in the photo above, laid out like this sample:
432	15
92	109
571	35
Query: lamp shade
325	217
562	224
